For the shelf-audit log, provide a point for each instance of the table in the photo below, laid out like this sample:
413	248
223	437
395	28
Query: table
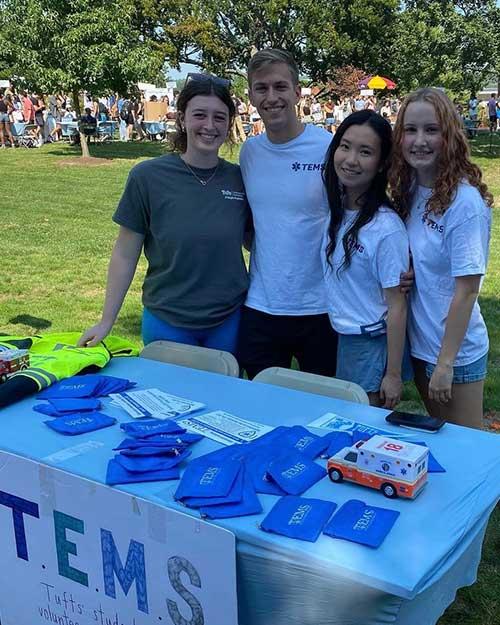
433	549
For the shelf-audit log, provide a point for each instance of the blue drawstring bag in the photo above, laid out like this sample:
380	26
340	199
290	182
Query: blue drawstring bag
109	385
295	473
235	495
258	466
208	479
144	451
71	404
300	439
338	440
361	523
186	438
433	466
116	474
61	407
48	410
248	505
144	428
168	442
73	424
90	385
360	436
75	386
137	464
298	517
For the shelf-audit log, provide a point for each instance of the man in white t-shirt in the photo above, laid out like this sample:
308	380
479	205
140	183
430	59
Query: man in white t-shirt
286	310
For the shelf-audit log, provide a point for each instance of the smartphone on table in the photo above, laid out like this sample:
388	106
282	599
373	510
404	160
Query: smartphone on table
415	421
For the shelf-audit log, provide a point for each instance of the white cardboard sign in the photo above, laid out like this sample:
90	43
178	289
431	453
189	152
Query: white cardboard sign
75	552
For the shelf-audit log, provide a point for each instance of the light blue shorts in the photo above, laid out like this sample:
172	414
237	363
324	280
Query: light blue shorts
362	359
4	117
465	374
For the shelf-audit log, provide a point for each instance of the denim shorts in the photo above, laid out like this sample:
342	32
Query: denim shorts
362	359
465	374
4	117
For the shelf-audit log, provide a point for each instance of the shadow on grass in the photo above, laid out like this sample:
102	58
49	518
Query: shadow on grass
130	150
486	145
28	320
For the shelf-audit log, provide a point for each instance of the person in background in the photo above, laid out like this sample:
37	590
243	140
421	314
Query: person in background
360	103
39	108
492	112
188	211
28	108
440	194
329	114
239	135
366	251
6	108
473	104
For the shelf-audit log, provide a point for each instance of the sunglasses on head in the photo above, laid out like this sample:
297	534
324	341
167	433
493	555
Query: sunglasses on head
222	82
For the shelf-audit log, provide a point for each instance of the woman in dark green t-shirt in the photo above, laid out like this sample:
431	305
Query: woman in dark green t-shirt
188	211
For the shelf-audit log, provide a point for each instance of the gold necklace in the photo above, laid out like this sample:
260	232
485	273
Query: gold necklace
200	180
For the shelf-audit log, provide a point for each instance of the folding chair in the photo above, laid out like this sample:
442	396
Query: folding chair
313	383
105	130
192	356
23	135
69	131
88	129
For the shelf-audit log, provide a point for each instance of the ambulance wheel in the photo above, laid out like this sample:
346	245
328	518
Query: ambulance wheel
389	490
335	475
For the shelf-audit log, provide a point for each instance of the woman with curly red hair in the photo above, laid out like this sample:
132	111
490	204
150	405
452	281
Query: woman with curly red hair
439	192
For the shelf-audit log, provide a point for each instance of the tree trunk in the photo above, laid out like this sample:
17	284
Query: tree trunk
83	138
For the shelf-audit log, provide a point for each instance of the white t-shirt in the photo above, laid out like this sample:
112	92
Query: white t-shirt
443	248
355	293
290	213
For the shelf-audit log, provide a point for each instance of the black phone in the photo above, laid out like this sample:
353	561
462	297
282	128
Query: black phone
415	421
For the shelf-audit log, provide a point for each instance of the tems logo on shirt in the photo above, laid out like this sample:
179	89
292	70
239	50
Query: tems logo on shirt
296	166
239	196
433	225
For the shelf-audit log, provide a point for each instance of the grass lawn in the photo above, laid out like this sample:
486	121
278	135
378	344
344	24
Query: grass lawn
57	236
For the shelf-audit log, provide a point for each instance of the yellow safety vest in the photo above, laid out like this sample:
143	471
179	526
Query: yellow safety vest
56	356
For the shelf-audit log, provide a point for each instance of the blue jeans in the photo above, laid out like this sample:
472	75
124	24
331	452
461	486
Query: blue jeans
224	336
465	374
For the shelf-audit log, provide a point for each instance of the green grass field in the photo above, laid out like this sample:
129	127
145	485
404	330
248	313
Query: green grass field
57	236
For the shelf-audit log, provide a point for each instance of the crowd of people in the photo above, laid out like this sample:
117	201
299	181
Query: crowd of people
353	276
326	112
46	114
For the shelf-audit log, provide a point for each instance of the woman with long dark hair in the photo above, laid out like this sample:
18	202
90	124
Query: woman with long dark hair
188	210
440	194
366	253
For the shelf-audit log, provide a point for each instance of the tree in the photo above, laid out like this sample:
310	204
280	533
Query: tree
75	45
446	43
219	35
344	81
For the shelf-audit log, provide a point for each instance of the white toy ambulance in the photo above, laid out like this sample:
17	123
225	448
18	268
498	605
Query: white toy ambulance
395	467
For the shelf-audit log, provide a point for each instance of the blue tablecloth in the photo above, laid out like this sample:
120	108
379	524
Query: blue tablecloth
433	549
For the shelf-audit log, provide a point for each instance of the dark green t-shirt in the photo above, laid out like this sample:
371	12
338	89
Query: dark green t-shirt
193	234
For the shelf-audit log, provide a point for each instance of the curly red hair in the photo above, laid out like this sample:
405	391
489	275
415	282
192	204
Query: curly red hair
454	164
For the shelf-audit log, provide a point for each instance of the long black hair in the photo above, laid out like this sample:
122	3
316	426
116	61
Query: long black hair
372	199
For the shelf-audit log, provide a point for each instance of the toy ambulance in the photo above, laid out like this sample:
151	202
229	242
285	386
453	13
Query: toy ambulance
397	468
12	360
